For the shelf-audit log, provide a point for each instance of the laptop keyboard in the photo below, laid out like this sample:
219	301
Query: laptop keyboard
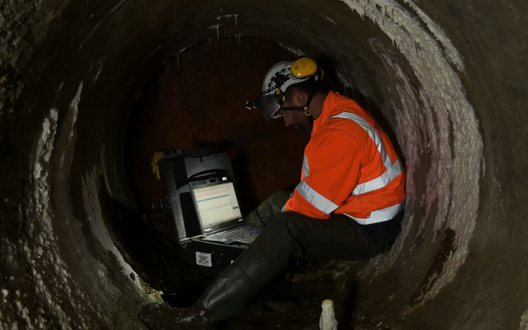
236	234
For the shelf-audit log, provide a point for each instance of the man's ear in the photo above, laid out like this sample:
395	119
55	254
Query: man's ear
299	98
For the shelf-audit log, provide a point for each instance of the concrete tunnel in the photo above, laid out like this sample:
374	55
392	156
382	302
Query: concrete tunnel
89	89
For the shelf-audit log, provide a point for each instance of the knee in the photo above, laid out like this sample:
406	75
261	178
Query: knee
275	232
292	232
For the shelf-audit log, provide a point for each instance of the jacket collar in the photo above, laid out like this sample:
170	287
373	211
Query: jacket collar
328	105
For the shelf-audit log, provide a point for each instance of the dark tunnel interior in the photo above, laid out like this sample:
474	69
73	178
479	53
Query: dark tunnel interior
195	105
89	90
196	100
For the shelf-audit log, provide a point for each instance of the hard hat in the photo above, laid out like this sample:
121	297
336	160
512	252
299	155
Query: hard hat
281	76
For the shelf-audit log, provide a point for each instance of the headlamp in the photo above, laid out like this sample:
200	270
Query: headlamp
268	105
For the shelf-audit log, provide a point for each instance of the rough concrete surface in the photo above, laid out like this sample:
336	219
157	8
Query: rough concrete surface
446	79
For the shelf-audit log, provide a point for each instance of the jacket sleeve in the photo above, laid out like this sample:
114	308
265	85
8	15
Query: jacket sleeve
333	174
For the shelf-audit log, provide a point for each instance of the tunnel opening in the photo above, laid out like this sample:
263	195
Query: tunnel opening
379	71
196	99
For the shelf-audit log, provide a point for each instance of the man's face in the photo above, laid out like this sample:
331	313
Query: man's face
296	118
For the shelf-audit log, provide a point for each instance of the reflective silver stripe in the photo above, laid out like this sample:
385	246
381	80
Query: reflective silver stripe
320	202
381	181
305	167
284	208
392	170
380	215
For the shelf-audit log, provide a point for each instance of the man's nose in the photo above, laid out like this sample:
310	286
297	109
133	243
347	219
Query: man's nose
287	122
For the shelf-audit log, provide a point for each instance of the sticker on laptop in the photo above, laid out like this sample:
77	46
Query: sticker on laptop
204	259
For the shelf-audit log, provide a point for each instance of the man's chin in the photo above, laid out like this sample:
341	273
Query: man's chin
303	130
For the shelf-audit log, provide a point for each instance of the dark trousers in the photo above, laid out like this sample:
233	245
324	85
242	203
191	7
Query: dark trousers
286	235
293	235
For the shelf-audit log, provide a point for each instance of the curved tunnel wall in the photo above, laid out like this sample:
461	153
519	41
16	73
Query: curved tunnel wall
447	77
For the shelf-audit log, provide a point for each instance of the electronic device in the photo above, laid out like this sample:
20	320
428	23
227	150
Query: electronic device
218	212
202	206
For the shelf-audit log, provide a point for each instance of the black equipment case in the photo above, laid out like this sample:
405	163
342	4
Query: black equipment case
177	169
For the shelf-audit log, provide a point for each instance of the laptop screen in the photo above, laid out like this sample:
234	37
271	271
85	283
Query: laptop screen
216	205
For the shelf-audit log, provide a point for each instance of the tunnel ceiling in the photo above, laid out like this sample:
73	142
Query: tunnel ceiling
446	79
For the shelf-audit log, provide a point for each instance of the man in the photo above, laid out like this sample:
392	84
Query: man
348	205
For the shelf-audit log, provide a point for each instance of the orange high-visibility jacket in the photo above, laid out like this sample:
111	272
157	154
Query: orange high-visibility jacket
350	167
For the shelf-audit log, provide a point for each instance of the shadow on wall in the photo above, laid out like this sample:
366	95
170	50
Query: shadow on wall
159	261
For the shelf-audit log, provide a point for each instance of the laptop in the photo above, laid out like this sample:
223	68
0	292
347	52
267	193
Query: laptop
219	214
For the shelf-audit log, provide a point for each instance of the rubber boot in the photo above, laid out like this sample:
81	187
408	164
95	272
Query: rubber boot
225	297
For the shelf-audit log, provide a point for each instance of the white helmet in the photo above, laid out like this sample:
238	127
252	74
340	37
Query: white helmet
281	76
